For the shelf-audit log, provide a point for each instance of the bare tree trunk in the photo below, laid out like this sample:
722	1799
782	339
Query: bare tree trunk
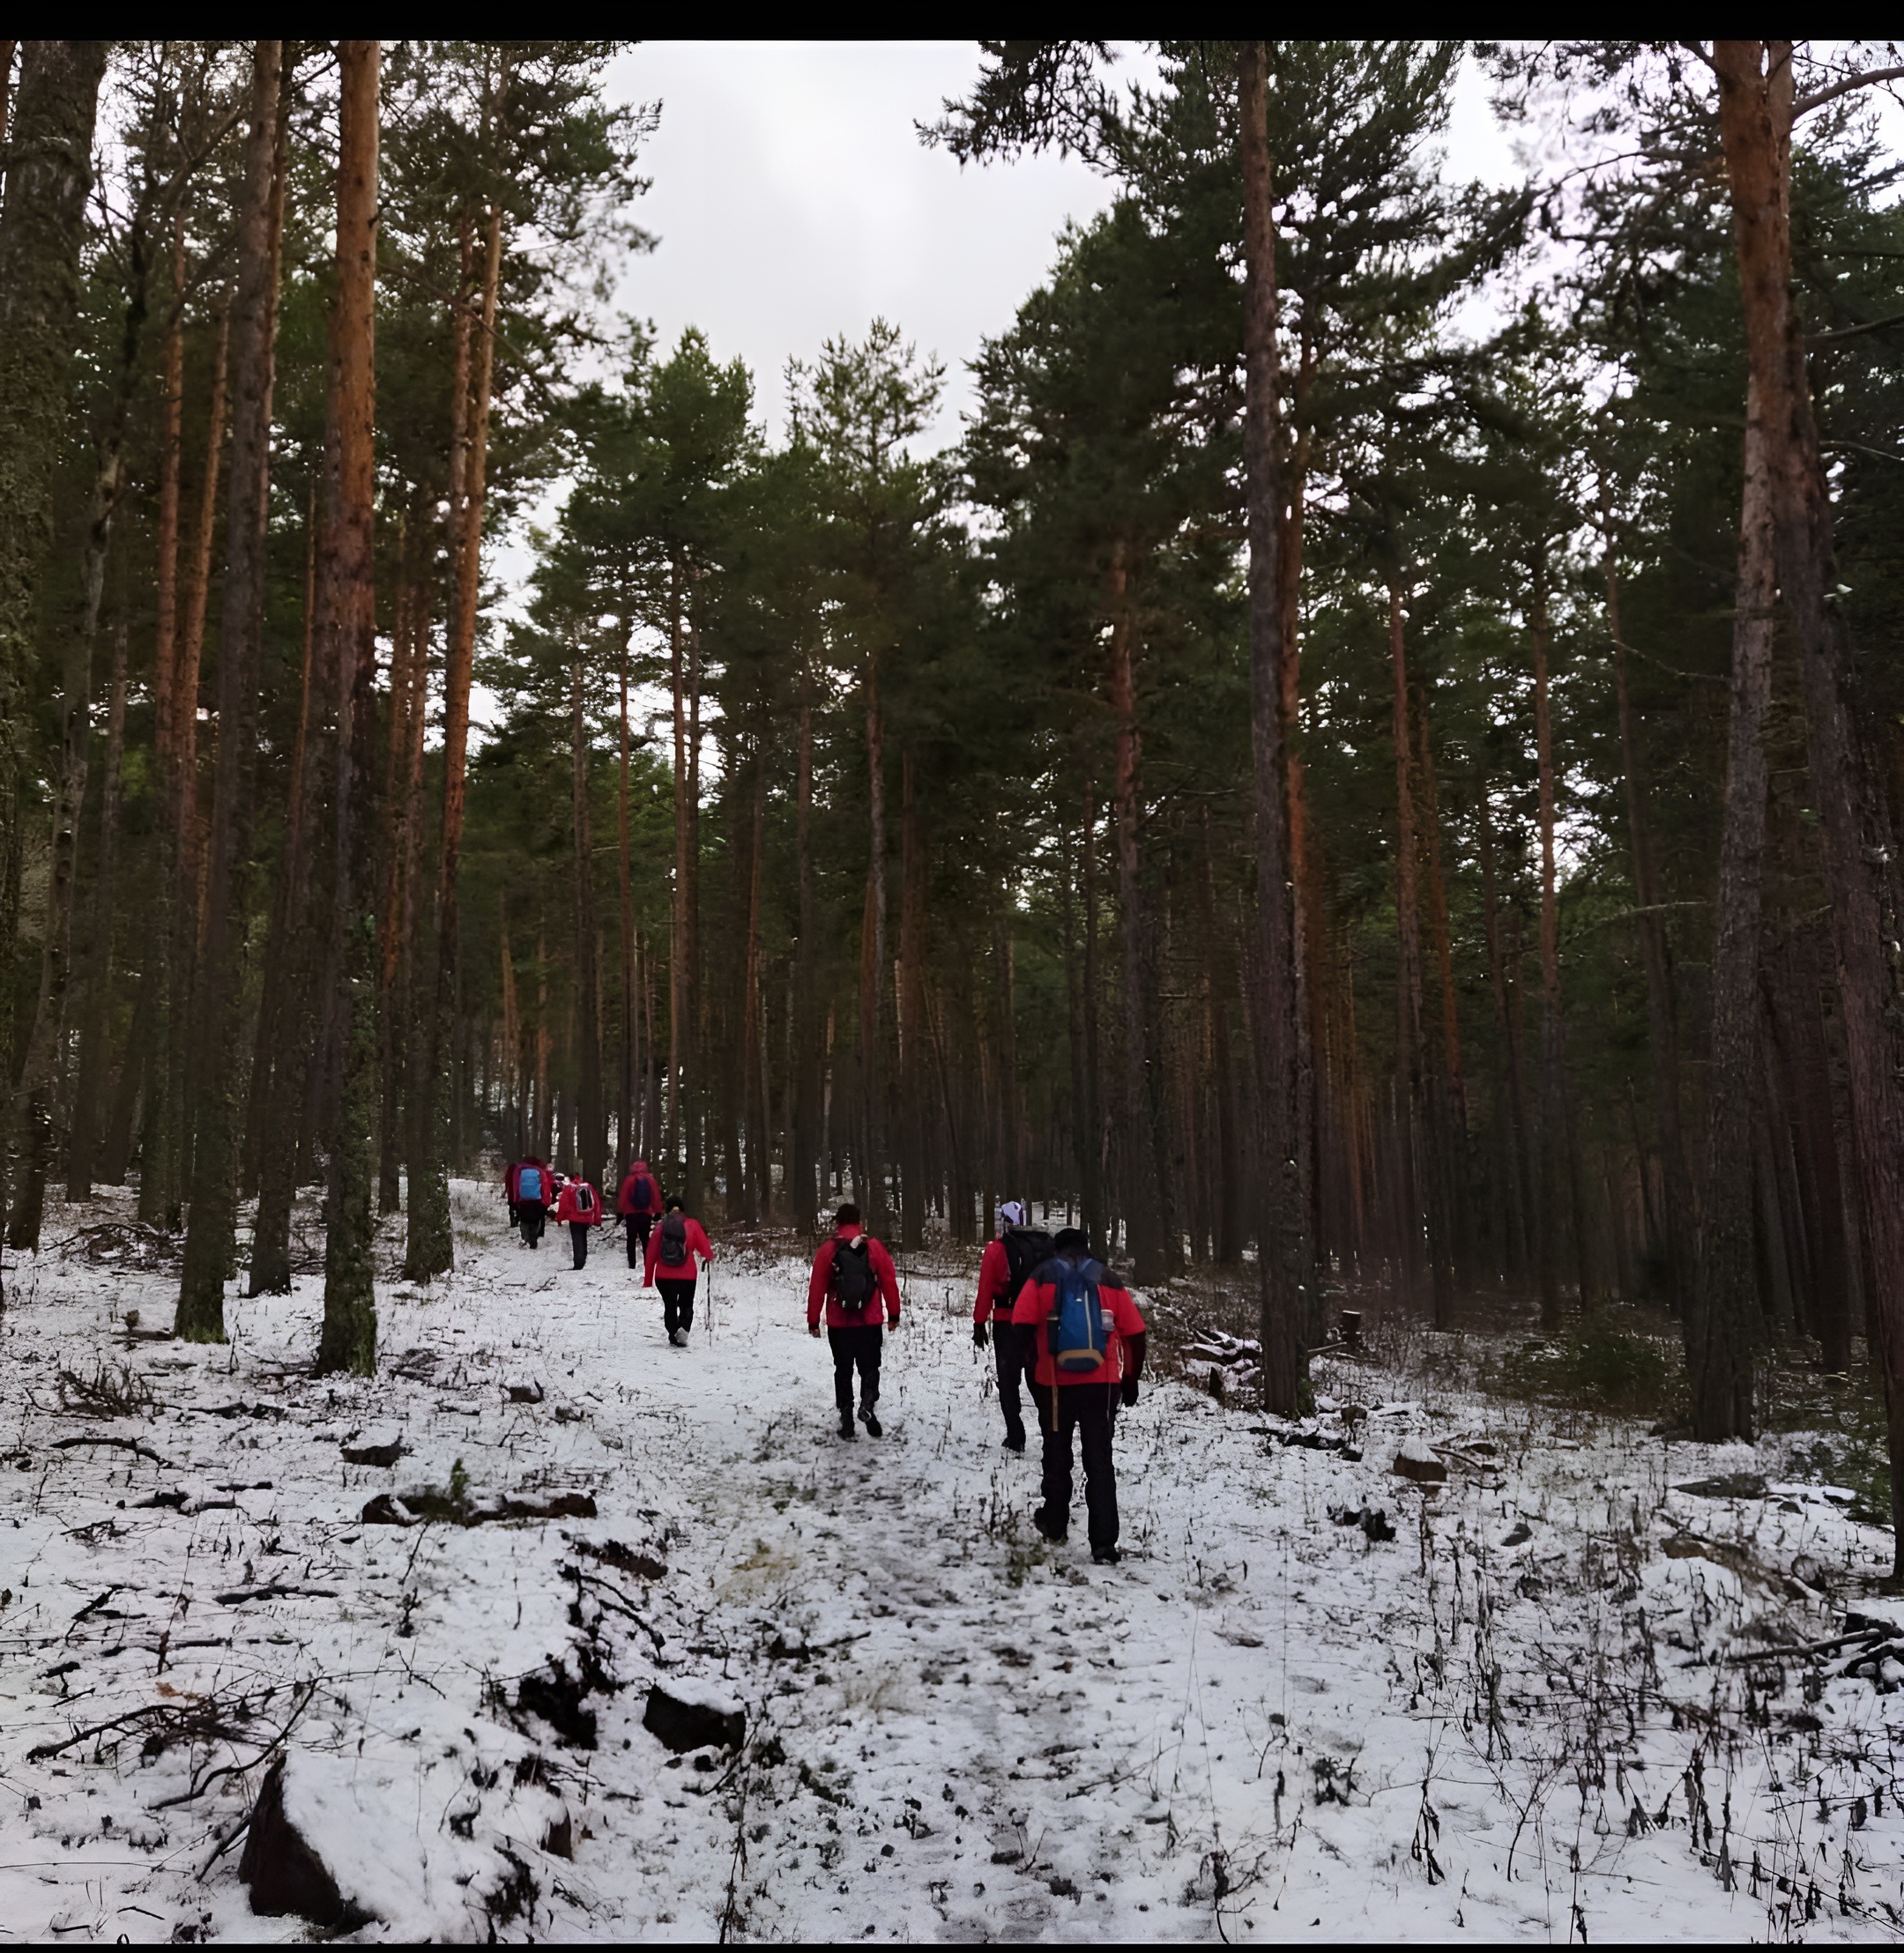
1721	1326
96	1037
753	1038
873	966
679	996
347	592
1756	96
808	1079
1554	1139
588	1002
1282	1228
627	1142
429	1247
1409	985
1143	1220
912	909
1663	1014
1449	1088
211	1243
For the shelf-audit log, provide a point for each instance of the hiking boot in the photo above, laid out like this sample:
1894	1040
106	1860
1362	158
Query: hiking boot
1105	1555
871	1422
678	1337
1051	1526
846	1429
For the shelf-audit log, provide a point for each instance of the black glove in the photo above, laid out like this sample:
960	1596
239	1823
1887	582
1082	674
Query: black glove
978	1334
1130	1390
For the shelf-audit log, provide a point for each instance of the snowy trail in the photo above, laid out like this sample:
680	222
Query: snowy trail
953	1730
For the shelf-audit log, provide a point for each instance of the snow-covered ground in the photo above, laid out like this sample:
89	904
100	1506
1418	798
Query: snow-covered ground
1551	1705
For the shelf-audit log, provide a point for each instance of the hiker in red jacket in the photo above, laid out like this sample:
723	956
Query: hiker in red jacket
639	1204
671	1268
534	1191
509	1189
581	1207
1008	1264
1090	1351
851	1274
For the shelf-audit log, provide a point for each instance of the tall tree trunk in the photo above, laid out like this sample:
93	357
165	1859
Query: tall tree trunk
679	997
1097	1215
1662	1012
627	1142
872	961
753	1038
281	1062
1409	1039
694	1087
211	1241
1511	1131
588	1001
1723	1325
429	1246
808	1079
1142	1216
912	910
154	1052
1282	1225
90	1090
347	593
1555	1148
1449	1086
1755	117
49	178
1226	1234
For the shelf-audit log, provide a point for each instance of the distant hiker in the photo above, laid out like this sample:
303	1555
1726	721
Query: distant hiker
1090	1351
639	1204
533	1193
581	1207
509	1189
671	1250
851	1274
1008	1263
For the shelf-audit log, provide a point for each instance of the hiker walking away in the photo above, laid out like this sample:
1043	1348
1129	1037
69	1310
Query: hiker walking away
851	1274
509	1189
533	1195
639	1204
671	1268
1090	1347
581	1207
1008	1263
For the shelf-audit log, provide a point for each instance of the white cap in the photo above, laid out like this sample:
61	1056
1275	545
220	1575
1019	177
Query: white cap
1011	1213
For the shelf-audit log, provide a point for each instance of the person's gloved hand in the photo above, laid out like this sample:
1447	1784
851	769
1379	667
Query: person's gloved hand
892	1322
1130	1390
813	1331
978	1334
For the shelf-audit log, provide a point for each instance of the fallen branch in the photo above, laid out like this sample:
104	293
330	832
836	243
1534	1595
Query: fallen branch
238	1596
118	1444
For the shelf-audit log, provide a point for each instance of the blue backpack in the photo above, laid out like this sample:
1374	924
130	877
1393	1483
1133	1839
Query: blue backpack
1076	1331
529	1183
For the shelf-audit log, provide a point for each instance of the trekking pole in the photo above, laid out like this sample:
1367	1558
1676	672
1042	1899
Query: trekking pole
707	1269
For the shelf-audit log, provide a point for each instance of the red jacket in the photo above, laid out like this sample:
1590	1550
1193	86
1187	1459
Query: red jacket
515	1178
698	1243
821	1282
995	1284
1036	1300
629	1200
568	1204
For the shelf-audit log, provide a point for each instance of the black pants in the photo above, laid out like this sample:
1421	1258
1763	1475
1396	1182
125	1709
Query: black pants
578	1233
677	1303
857	1348
1089	1409
512	1216
1016	1351
531	1215
639	1226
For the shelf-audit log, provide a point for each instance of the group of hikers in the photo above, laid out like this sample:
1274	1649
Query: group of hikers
1062	1327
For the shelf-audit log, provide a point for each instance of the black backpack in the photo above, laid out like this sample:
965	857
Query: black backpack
853	1284
1027	1250
674	1242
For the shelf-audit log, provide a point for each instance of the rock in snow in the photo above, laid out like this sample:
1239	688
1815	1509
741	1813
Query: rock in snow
1413	1459
688	1715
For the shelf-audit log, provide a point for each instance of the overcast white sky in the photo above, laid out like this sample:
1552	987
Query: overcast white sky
794	200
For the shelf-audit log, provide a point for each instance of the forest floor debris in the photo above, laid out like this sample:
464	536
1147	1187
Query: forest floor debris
1600	1681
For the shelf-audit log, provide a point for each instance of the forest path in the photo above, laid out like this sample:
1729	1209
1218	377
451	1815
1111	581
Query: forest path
955	1731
